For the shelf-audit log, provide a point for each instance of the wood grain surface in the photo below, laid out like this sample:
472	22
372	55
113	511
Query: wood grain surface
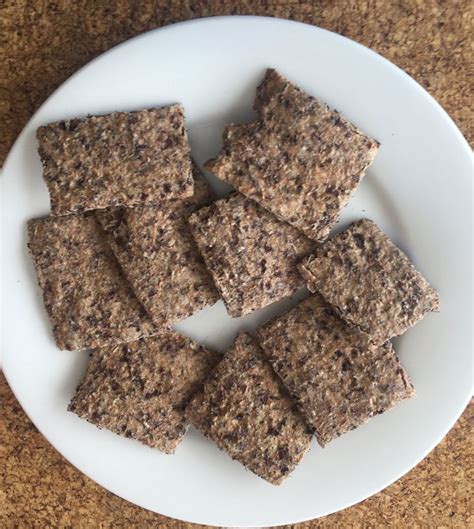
41	44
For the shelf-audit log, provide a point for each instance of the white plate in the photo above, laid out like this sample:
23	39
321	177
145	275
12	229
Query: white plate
418	189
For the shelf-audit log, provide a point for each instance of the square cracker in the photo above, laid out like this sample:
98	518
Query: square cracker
120	159
140	389
369	281
245	410
159	256
88	301
300	160
250	253
338	378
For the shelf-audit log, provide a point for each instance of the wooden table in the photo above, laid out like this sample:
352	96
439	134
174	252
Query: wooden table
42	43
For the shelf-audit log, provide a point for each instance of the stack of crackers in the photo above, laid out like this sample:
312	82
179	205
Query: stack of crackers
136	242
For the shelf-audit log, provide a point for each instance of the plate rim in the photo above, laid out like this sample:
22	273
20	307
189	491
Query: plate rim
202	21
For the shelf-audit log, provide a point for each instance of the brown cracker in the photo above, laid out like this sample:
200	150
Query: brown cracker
301	160
370	282
244	409
88	301
159	256
250	253
139	389
339	379
120	159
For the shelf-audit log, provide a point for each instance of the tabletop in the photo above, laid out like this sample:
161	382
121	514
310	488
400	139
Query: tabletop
41	44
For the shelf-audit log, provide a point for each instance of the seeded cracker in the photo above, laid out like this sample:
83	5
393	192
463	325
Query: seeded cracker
139	389
159	256
88	301
338	378
244	409
301	160
250	253
120	159
370	282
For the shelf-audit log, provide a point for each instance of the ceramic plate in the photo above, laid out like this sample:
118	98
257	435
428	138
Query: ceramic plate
419	190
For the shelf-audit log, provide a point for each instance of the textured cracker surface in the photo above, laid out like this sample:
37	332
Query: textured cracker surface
369	281
301	160
339	379
250	253
159	256
120	159
88	301
140	389
244	409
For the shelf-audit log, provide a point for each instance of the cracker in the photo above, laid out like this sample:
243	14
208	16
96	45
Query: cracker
250	253
336	375
301	160
139	389
120	159
159	256
370	282
244	409
88	301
